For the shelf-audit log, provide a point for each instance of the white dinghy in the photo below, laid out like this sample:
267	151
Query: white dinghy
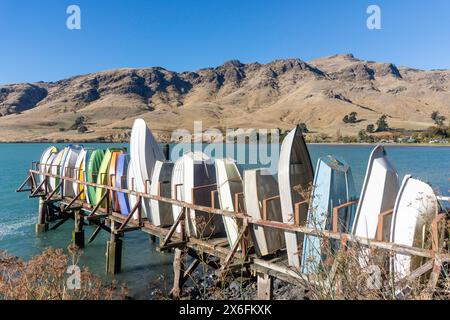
44	163
69	170
48	169
295	178
259	185
199	179
144	152
415	208
177	189
79	168
378	195
161	186
230	190
56	169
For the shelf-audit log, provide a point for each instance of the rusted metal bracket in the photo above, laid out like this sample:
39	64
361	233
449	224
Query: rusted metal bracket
98	205
380	226
172	229
335	222
69	206
54	191
297	207
37	189
235	246
20	188
130	215
265	204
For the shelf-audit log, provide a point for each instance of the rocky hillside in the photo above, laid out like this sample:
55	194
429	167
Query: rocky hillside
278	94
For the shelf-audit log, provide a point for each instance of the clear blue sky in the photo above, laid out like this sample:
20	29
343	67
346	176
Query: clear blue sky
186	35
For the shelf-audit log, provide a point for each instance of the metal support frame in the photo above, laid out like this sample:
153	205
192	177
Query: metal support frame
180	218
234	248
265	206
226	255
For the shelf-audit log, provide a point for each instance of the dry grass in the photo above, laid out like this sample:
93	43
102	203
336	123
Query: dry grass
45	276
359	274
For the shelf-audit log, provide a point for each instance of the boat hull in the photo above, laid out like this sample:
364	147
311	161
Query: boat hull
415	208
144	152
121	182
378	195
92	173
333	186
230	185
199	176
295	178
259	184
161	186
44	163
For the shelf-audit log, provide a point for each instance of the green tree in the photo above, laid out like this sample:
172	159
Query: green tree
438	118
362	136
370	128
382	124
351	118
79	121
303	128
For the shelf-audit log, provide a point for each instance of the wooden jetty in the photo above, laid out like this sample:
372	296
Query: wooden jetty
216	252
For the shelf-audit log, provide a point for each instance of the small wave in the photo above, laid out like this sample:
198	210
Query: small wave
8	229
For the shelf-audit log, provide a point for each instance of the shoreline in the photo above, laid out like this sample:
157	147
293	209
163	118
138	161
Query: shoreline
337	144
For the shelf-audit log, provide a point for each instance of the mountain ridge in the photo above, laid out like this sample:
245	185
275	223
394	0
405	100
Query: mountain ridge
278	94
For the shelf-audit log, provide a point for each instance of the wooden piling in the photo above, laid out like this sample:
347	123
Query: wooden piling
42	225
265	286
114	252
178	267
78	231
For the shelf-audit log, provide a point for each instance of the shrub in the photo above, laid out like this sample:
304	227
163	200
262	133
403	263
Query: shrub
303	127
382	124
370	128
44	277
437	118
350	118
82	129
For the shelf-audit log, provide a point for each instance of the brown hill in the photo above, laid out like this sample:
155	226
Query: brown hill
278	94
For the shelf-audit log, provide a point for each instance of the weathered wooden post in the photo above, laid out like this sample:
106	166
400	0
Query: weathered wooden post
78	232
265	287
178	270
114	252
42	224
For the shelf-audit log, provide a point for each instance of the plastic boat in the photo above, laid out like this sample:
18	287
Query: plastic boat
333	186
295	178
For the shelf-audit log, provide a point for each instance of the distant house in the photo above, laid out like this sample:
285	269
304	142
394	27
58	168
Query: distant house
443	141
407	140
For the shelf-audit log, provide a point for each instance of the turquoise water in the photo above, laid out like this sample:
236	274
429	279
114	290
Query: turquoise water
142	265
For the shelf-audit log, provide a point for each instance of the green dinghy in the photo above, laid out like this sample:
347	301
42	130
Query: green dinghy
92	173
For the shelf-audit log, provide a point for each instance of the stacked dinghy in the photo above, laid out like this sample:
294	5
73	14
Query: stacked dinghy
415	208
259	187
295	177
333	186
230	189
144	152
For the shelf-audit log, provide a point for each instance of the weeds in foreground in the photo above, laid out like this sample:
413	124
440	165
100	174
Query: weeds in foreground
357	274
45	277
